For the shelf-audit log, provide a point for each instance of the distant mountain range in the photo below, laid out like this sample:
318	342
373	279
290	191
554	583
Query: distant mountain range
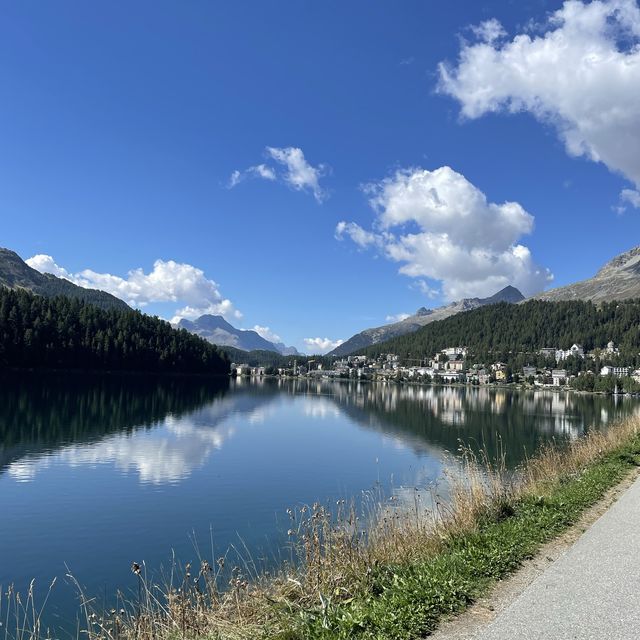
619	279
421	318
217	330
15	273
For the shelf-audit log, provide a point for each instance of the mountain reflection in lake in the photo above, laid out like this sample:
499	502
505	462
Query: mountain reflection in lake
97	472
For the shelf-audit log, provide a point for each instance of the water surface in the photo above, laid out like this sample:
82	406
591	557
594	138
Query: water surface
98	472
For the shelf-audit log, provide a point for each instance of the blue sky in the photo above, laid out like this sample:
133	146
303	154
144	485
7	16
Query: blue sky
229	141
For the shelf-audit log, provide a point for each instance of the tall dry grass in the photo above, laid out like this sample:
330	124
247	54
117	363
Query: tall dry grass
337	550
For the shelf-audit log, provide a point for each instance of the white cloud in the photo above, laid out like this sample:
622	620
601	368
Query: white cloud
169	281
321	345
398	317
441	227
236	178
489	31
425	289
298	174
630	196
357	234
267	334
580	73
46	264
258	171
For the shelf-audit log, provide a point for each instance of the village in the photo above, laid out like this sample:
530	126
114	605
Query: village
454	365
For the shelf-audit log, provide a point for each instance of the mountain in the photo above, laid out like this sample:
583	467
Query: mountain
421	318
217	330
514	333
619	279
15	273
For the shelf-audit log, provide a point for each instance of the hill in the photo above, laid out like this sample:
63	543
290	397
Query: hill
619	279
38	332
15	273
507	328
421	318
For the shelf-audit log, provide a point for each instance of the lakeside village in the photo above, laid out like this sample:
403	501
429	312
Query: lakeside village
596	370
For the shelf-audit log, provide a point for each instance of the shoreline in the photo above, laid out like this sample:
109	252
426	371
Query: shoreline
455	385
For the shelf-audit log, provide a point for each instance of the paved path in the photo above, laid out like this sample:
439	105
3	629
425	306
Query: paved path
592	592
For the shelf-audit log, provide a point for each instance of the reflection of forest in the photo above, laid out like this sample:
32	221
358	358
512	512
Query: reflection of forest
42	413
427	416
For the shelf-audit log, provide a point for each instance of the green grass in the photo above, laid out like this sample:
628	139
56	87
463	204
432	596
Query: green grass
406	601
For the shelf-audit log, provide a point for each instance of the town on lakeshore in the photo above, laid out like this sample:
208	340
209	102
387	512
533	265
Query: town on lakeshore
595	370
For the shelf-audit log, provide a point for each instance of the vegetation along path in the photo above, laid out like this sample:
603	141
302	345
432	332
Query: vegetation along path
592	591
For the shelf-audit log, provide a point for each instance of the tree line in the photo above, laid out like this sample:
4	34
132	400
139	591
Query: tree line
510	332
64	333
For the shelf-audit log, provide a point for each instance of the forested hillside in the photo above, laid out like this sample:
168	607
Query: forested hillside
527	327
63	333
15	273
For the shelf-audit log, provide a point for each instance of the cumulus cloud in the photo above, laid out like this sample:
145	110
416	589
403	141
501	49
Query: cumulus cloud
440	226
267	334
297	173
398	317
321	345
580	72
169	281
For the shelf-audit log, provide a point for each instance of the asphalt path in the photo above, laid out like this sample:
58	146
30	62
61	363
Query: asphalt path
591	592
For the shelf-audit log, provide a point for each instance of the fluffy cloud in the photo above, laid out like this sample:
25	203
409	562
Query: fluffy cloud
580	72
169	281
398	317
321	345
267	334
440	226
297	174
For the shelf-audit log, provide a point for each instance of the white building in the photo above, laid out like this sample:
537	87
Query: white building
619	372
576	350
455	352
611	348
559	377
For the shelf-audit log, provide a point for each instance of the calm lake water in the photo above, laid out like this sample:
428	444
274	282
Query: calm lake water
98	472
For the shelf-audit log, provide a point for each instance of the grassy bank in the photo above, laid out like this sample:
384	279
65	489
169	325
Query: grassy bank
400	577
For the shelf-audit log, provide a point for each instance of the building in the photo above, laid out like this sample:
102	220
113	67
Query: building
455	352
576	350
455	365
528	371
548	352
611	348
558	377
619	372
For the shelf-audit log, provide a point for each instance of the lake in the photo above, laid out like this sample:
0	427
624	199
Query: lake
97	472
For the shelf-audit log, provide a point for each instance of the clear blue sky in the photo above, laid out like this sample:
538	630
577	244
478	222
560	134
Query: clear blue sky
122	124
